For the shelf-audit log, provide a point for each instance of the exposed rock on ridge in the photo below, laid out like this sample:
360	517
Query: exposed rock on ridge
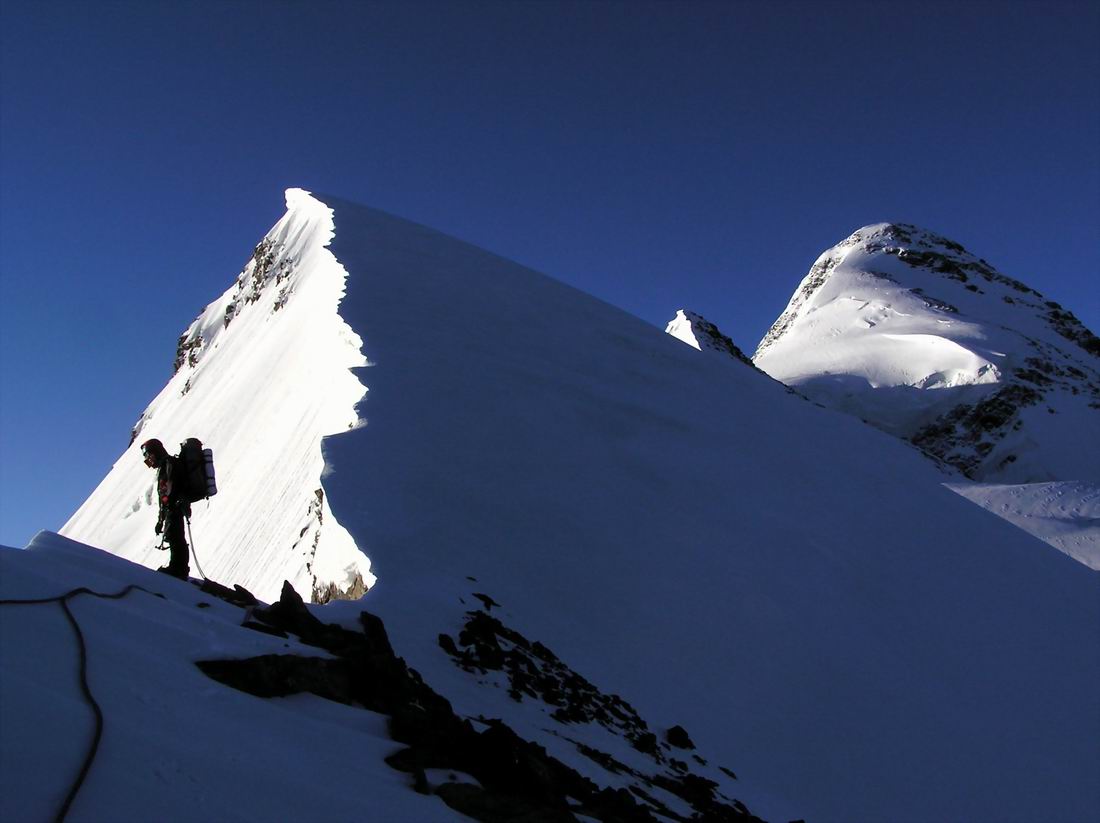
697	331
261	376
911	332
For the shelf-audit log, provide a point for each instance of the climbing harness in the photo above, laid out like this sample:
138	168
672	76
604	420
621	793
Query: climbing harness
84	687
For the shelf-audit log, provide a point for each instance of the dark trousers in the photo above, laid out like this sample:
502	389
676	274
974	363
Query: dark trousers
177	544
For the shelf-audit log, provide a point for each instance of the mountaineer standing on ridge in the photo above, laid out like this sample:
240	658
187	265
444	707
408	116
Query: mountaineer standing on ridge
174	507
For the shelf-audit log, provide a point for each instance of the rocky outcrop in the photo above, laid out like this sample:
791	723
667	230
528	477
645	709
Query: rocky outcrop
535	673
966	435
270	264
697	331
327	592
512	779
813	281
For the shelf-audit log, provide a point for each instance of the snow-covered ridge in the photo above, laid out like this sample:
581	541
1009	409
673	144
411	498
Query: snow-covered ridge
262	376
793	588
921	248
911	332
700	333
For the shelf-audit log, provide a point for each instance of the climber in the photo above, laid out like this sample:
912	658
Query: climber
173	506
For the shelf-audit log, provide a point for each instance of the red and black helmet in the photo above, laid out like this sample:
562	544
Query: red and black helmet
153	449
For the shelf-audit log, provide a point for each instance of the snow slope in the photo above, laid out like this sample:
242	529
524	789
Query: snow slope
796	590
1066	515
176	745
261	376
909	331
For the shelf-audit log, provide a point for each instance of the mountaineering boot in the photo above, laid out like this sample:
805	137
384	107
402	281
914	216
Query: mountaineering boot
180	573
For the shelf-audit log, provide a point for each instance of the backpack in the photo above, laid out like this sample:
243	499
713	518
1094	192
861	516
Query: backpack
198	471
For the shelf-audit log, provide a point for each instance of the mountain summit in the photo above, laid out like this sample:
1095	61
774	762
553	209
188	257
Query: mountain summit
700	333
261	376
911	332
699	592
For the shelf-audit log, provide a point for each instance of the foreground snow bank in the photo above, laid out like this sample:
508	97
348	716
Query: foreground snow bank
147	636
176	745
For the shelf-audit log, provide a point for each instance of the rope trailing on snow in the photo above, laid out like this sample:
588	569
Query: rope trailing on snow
84	687
194	554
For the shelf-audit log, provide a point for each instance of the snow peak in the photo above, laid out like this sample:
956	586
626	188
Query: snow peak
198	471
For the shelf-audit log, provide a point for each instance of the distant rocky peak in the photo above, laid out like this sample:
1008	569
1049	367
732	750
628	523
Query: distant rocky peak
913	333
811	283
898	238
932	262
932	253
697	331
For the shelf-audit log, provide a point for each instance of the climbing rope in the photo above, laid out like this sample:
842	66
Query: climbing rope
84	687
194	554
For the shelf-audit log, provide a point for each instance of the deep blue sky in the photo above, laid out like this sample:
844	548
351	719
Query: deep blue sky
656	155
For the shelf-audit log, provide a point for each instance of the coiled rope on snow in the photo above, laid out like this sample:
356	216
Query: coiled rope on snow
84	687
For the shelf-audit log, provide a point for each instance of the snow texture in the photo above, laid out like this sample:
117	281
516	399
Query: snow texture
795	589
912	333
176	746
1066	515
261	376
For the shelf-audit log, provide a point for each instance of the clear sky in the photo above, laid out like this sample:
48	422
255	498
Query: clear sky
656	155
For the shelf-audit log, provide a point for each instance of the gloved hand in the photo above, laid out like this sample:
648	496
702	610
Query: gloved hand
159	528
